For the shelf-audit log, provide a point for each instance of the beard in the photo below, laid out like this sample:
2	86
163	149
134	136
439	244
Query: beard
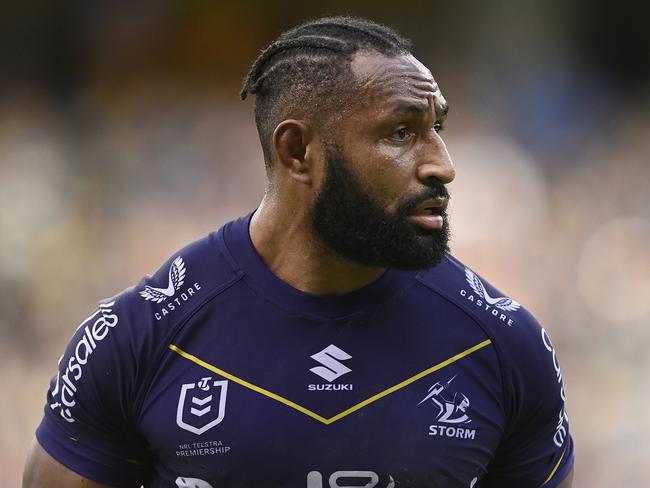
354	226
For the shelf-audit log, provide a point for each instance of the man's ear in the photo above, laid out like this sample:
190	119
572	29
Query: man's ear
290	141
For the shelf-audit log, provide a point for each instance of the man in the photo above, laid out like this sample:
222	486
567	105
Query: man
328	339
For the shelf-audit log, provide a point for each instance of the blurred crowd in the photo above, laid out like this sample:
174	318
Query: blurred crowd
103	180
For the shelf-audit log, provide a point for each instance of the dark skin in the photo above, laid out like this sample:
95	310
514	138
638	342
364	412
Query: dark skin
390	139
389	136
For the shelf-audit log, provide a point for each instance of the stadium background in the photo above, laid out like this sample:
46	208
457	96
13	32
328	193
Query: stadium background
122	138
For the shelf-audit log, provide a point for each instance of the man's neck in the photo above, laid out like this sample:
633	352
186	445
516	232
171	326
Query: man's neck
288	246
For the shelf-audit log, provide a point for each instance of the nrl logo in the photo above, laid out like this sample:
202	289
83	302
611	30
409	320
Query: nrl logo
502	303
176	280
201	410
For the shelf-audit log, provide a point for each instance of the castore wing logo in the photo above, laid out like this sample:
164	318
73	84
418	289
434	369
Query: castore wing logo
503	303
201	410
176	280
330	358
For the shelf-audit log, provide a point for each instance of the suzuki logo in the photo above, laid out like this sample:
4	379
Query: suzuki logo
330	358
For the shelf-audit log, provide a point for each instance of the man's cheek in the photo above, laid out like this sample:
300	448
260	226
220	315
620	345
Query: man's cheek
388	188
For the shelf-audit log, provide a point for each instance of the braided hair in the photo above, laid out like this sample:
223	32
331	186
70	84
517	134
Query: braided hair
306	71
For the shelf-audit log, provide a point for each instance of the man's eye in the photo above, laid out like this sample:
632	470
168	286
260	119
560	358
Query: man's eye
401	134
438	127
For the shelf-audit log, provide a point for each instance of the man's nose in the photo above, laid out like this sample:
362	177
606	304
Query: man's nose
435	162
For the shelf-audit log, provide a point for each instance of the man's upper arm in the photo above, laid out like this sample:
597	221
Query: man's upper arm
42	470
568	481
88	423
536	449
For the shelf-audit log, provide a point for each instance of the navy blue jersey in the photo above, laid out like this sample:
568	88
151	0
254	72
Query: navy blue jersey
215	373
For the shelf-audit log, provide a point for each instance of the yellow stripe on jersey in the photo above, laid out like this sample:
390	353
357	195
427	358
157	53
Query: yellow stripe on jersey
550	476
245	383
350	410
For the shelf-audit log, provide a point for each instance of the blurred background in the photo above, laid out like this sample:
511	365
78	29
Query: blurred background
122	138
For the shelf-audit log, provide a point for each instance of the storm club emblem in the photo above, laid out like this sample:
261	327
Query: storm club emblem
451	410
201	405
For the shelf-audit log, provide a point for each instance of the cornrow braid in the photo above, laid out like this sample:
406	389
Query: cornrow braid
306	71
254	78
383	36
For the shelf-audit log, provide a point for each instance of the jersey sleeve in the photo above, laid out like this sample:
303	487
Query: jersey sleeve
537	449
88	421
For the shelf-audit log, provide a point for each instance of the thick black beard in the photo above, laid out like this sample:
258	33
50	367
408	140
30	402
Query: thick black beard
355	227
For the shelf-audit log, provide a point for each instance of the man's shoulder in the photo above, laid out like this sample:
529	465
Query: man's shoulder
123	340
185	281
526	355
503	318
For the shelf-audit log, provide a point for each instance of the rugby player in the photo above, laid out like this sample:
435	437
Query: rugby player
329	338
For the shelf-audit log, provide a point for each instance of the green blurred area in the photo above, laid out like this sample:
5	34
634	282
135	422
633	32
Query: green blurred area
122	137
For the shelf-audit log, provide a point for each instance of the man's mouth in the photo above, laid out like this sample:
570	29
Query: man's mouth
430	213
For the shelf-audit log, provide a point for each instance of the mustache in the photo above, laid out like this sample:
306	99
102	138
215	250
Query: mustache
434	190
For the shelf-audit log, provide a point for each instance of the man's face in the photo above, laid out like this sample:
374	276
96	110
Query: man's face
382	201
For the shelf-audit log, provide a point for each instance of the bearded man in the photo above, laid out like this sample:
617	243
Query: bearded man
328	339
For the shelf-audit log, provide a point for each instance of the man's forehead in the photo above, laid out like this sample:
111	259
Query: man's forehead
396	77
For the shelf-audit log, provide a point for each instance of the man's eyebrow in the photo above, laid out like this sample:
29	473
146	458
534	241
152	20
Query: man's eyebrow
418	109
410	108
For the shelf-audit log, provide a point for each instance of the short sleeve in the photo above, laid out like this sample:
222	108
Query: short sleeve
87	424
537	448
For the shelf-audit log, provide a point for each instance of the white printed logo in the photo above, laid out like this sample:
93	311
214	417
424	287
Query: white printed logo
192	483
503	303
176	280
561	430
201	405
315	479
95	329
177	296
452	410
331	367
